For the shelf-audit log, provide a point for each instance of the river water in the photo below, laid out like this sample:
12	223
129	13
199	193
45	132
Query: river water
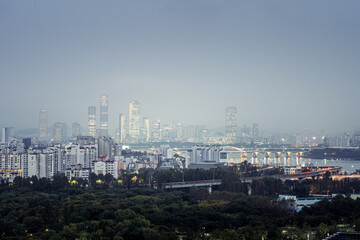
348	165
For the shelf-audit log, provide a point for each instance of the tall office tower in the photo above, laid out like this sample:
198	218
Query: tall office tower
122	128
156	133
7	134
92	121
43	125
230	123
76	130
145	130
255	130
104	115
134	121
59	132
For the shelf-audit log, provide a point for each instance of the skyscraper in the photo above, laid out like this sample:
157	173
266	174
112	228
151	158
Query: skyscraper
122	128
104	115
43	125
59	132
134	120
92	121
145	129
156	132
7	134
231	123
76	129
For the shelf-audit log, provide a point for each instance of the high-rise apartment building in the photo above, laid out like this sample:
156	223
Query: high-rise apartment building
92	121
104	115
231	123
43	125
76	129
122	128
134	121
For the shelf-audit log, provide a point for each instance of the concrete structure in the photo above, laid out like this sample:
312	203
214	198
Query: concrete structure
291	169
204	154
78	171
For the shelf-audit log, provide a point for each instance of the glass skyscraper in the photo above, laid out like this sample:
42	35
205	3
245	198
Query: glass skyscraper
134	120
104	115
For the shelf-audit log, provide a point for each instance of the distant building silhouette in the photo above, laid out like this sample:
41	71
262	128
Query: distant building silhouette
104	115
92	121
43	136
231	123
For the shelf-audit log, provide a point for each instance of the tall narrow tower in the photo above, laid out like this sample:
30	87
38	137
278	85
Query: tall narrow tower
231	123
92	121
104	115
122	128
145	130
43	125
134	120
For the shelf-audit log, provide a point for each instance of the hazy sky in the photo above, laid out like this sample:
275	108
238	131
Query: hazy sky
284	64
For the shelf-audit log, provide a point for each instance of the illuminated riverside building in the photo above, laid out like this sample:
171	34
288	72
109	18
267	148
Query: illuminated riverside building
43	125
92	121
231	123
104	115
134	121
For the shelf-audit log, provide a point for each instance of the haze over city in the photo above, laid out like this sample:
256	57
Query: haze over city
286	65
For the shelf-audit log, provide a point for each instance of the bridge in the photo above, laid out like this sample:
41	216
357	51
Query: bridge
216	182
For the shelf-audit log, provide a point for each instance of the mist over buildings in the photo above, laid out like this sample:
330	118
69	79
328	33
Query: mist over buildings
285	65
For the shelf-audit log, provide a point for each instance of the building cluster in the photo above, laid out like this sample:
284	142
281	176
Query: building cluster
76	160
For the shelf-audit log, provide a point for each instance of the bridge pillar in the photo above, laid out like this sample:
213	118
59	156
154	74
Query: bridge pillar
209	188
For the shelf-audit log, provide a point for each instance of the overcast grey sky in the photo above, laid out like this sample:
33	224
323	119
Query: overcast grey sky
284	64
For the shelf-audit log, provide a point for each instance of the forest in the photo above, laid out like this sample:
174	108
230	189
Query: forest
128	208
